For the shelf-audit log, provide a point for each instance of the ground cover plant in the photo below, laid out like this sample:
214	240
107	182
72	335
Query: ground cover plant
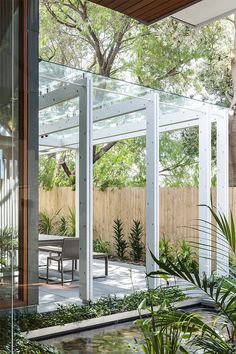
173	331
56	223
101	246
47	222
8	243
181	251
71	313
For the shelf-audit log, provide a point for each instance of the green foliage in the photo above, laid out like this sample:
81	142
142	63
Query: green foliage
20	344
8	243
186	254
125	164
122	166
71	220
24	346
47	222
182	251
51	174
220	337
54	223
159	57
135	240
24	322
102	307
62	226
101	246
166	250
120	243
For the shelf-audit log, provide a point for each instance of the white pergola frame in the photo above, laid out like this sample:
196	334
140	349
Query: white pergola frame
83	143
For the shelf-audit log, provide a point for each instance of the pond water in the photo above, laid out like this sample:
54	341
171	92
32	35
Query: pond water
118	339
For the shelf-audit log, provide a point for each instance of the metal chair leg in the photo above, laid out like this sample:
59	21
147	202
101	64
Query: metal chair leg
72	269
106	266
48	262
62	272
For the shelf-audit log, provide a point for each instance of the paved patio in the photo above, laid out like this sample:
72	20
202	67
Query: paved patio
122	279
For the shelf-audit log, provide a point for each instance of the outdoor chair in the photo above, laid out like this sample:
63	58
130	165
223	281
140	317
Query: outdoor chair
69	252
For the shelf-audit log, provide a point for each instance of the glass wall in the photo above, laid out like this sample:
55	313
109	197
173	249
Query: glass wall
9	152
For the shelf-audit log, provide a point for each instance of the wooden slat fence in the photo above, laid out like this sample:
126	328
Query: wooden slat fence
178	208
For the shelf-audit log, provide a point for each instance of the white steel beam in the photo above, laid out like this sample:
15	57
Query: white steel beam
222	190
59	125
64	93
152	185
50	141
204	194
119	109
102	136
86	192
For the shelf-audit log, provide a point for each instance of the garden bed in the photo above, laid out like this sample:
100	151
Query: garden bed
28	322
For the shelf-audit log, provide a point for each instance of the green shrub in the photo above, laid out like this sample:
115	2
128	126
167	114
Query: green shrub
47	222
101	246
62	226
104	306
53	223
8	243
182	252
204	335
166	250
135	239
186	254
71	220
20	344
120	243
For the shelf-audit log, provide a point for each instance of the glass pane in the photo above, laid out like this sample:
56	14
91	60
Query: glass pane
106	93
9	162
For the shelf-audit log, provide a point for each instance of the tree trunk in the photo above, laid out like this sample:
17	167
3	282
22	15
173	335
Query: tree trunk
232	120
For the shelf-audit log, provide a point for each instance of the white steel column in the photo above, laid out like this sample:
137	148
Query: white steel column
222	190
86	192
77	159
152	185
204	193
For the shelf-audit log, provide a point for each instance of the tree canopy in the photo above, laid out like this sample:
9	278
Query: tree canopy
168	56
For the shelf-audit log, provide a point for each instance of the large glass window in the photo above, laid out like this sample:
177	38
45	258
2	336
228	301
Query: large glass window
11	169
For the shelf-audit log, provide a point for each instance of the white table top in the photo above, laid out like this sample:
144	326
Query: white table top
43	237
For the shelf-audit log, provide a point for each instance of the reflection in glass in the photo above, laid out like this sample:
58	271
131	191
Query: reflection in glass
9	138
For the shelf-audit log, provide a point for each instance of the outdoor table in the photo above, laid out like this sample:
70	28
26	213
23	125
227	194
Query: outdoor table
51	240
53	244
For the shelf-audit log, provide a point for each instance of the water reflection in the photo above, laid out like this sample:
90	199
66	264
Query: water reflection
119	339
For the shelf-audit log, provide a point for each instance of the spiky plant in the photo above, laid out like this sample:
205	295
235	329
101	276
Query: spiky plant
47	222
221	337
62	226
71	219
120	243
135	240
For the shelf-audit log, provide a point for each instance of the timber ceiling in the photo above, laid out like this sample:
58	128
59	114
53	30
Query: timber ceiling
147	11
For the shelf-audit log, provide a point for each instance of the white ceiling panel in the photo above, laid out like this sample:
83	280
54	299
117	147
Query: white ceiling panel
205	11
